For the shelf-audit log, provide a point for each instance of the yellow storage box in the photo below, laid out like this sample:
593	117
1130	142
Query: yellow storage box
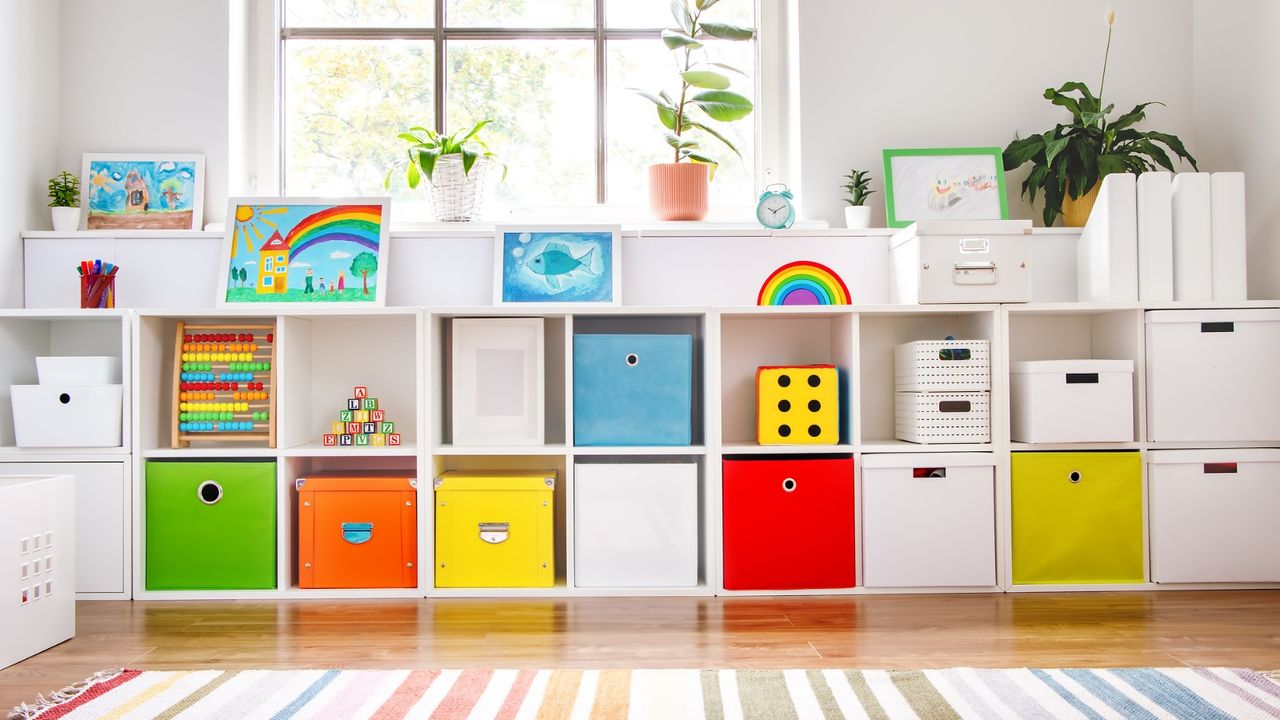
495	529
1077	518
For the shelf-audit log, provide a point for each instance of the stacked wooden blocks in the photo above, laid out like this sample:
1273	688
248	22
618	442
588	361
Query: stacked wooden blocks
362	424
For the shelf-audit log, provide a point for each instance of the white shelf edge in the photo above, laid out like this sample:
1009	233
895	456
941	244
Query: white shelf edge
1016	446
902	446
318	450
752	449
200	453
593	450
480	450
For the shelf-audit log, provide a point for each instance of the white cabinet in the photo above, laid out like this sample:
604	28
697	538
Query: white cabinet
1213	515
102	520
928	520
37	609
635	525
1211	375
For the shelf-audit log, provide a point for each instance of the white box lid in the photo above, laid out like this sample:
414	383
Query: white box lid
1199	316
957	228
1217	455
1071	366
915	460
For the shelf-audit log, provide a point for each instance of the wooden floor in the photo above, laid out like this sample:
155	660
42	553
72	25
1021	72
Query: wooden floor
1234	628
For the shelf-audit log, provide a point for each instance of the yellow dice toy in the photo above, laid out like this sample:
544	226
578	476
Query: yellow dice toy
798	405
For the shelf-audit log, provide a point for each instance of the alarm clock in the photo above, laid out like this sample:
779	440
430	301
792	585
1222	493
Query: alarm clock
775	210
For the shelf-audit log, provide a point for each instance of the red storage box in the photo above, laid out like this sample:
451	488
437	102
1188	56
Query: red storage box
357	531
788	524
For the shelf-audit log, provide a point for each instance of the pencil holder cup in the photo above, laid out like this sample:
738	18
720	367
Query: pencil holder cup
97	291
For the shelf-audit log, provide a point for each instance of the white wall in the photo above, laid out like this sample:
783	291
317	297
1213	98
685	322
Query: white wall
1237	117
147	76
877	74
28	129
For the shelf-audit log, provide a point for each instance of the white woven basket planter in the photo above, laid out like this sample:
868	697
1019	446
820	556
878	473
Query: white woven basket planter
458	196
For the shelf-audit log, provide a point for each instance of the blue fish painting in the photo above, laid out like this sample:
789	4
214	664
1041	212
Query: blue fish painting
553	267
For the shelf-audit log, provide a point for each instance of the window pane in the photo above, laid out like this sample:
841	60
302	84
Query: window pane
637	139
520	13
344	103
541	96
657	13
359	13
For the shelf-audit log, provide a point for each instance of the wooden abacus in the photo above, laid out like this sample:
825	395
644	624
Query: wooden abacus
224	384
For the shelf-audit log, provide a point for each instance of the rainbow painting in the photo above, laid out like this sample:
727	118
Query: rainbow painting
803	282
292	251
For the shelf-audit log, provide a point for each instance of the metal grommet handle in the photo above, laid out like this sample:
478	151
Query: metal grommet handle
209	492
1074	476
633	360
789	485
64	398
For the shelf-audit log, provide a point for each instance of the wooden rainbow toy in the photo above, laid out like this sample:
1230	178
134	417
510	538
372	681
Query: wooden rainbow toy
804	282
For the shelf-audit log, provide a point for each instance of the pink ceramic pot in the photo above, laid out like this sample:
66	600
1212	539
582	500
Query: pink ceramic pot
678	191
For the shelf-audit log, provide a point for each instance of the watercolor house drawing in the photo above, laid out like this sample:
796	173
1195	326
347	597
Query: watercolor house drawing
143	192
273	266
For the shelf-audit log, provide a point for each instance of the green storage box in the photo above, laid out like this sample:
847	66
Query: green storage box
210	525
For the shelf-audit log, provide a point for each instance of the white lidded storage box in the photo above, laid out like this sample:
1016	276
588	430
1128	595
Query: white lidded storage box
37	564
928	520
1213	515
932	418
1211	375
497	373
1064	401
961	261
635	525
68	370
67	415
942	365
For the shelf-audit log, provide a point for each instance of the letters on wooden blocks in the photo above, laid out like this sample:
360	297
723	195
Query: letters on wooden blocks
362	440
345	416
798	405
387	428
346	440
369	428
353	403
378	440
330	439
361	416
393	440
354	428
361	392
369	404
378	415
338	428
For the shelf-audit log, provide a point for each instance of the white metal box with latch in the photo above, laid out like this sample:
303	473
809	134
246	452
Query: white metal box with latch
961	261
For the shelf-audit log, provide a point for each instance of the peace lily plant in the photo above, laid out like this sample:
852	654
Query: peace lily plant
1069	161
678	190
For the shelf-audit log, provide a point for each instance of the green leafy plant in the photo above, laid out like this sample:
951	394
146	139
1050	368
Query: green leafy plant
427	147
1070	159
856	187
64	190
704	97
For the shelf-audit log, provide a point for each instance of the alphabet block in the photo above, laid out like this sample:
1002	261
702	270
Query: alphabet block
345	416
369	404
354	428
362	440
346	440
330	440
377	415
378	440
353	403
798	405
361	392
387	427
393	440
369	428
338	428
361	416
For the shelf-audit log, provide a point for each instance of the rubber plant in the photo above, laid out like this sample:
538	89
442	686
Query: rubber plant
1073	157
704	98
427	146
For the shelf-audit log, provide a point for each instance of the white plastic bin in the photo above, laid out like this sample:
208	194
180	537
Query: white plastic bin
929	520
935	418
88	370
37	564
635	525
1065	401
1213	515
1211	375
67	416
497	381
961	261
942	366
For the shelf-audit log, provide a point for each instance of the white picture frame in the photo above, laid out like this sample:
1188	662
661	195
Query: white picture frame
526	273
119	189
497	381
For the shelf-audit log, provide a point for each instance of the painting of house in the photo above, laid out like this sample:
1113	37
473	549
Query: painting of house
142	192
273	266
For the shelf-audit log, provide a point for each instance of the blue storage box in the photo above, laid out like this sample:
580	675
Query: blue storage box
632	389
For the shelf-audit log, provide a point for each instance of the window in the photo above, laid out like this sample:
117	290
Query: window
267	263
266	280
555	75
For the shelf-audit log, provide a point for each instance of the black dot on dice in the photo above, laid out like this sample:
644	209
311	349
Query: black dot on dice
814	406
784	381
784	430
814	431
784	405
814	381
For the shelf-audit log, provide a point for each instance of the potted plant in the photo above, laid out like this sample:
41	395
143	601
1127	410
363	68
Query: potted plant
857	214
1069	161
678	189
455	165
64	199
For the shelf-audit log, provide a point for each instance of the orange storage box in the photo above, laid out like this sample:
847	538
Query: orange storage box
357	531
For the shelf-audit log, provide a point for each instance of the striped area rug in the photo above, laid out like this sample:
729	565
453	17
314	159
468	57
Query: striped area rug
1200	693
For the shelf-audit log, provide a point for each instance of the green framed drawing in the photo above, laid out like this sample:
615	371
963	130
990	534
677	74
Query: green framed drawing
943	184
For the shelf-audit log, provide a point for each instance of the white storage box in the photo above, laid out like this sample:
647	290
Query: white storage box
37	564
1064	401
635	525
961	261
98	370
498	391
933	418
66	415
1213	515
1211	375
928	520
942	366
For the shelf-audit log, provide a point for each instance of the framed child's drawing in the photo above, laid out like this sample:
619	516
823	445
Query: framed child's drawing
142	191
291	251
546	265
943	184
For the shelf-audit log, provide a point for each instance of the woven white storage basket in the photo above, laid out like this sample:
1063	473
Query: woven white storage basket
943	417
942	365
458	196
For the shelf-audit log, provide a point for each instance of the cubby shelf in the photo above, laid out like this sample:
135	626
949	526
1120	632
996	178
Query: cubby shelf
673	450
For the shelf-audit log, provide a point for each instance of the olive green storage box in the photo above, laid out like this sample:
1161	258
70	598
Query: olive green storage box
210	525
